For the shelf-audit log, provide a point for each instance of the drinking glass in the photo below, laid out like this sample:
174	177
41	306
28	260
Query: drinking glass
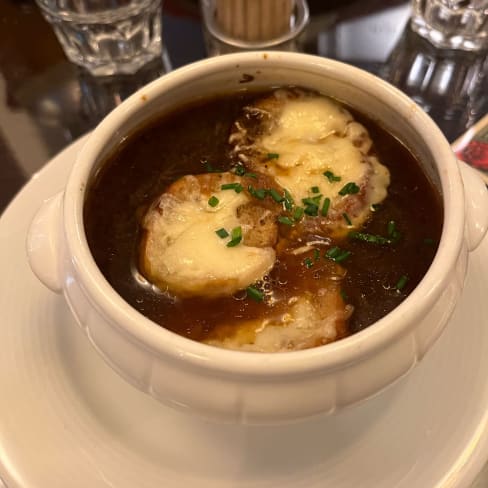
107	37
452	24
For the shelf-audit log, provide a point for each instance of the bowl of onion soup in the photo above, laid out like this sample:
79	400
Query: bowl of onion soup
262	237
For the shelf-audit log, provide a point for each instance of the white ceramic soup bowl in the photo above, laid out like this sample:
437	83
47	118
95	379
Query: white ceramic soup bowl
261	388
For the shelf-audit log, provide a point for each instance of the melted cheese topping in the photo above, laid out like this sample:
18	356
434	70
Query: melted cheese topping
313	135
301	166
307	120
187	257
310	321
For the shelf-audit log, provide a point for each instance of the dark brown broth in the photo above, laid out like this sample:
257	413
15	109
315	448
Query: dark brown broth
178	144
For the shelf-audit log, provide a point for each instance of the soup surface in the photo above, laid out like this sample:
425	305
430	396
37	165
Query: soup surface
236	222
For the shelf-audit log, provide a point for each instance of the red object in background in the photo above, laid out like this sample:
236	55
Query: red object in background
472	147
476	154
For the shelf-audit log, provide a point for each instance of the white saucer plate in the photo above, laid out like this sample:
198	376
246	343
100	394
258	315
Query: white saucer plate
68	421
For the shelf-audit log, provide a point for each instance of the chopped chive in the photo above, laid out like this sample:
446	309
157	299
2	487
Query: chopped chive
316	254
236	237
222	233
375	207
392	231
213	201
314	201
429	241
315	189
325	207
333	252
272	155
255	294
259	193
298	213
283	219
236	232
391	228
288	200
276	196
342	257
347	219
239	170
349	189
237	187
401	282
308	263
251	175
337	254
331	176
371	238
344	296
312	210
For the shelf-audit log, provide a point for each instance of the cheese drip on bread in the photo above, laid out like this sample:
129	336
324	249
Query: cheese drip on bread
182	252
300	138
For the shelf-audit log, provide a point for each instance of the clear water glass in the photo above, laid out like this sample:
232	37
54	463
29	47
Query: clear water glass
452	24
107	37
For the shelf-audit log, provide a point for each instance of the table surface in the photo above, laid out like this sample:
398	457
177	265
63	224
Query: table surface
46	102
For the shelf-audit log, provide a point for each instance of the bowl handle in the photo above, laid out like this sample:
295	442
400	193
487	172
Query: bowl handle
476	201
43	243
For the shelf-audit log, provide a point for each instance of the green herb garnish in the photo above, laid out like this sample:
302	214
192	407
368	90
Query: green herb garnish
375	207
272	155
347	219
222	233
391	228
312	200
349	189
371	238
315	189
255	294
236	237
237	187
344	296
283	219
308	263
325	207
392	231
259	193
333	252
331	176
276	196
312	210
239	170
337	254
401	282
312	205
316	254
213	201
342	257
288	200
298	213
